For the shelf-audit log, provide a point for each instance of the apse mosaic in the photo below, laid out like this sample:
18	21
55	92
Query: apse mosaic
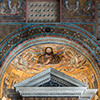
80	33
48	56
78	10
40	57
62	31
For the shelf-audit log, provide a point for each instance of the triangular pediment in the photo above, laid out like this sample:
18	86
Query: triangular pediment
51	78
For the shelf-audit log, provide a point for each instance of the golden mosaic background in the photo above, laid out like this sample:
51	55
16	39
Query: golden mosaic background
25	65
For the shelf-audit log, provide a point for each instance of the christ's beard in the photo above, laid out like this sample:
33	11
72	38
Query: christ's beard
49	53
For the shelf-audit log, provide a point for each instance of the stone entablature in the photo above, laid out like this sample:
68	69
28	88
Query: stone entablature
31	86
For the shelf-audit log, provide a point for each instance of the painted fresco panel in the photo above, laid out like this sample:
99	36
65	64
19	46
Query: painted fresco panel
12	10
78	10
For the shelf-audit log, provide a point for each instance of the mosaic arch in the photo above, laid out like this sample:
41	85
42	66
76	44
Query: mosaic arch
31	61
78	53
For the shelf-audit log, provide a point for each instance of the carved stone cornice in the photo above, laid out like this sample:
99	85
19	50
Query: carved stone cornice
69	87
51	74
